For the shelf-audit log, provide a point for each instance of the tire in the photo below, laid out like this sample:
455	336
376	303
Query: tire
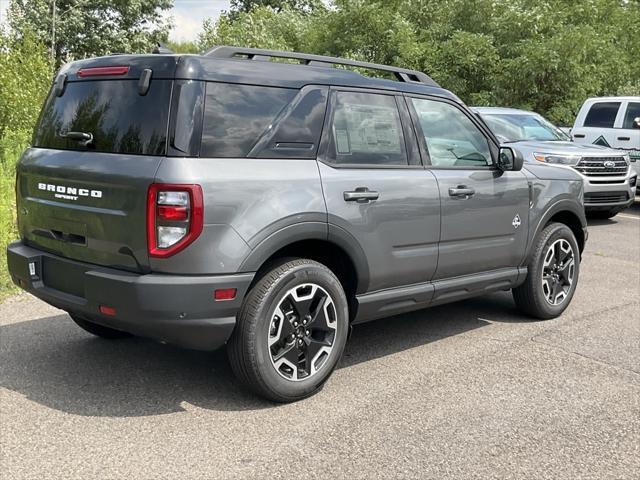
98	330
269	331
603	214
536	296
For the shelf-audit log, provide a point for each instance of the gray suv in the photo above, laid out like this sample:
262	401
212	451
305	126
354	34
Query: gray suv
226	198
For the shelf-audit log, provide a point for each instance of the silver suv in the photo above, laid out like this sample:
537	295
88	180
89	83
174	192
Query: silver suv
609	182
225	198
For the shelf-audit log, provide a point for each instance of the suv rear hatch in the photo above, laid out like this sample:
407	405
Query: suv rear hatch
82	187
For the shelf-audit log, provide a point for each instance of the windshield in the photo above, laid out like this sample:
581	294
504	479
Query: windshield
106	116
519	127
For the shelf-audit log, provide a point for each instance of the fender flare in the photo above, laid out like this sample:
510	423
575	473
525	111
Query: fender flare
320	231
562	205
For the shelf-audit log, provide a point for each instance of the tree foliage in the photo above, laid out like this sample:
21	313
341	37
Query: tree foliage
543	55
277	5
25	76
85	28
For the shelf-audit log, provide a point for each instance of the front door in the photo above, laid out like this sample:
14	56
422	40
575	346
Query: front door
376	190
485	211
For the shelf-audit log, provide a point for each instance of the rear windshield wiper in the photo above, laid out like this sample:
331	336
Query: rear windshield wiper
85	138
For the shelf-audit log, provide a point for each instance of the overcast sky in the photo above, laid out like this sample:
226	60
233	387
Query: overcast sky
187	15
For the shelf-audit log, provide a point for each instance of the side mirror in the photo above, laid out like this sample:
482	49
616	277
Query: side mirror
636	122
510	159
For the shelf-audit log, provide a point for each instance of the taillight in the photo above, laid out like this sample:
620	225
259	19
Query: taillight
103	71
174	217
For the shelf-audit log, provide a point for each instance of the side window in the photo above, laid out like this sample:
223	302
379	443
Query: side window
602	115
633	112
452	138
236	116
366	130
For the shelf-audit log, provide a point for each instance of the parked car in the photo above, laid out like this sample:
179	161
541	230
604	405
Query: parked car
227	198
609	182
611	122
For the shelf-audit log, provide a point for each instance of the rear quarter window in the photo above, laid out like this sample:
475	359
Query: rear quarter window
236	117
633	112
120	119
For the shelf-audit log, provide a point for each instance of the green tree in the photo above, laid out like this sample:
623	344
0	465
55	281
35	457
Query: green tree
277	5
85	28
25	76
543	55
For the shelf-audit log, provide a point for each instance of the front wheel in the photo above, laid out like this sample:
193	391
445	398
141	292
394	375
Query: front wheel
552	276
291	331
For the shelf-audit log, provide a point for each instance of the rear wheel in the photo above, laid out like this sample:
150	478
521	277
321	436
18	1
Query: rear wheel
552	274
98	330
291	331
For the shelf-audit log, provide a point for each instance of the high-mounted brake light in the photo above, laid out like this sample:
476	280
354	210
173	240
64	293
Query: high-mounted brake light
102	71
175	215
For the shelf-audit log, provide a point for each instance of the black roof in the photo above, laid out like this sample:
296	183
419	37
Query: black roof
234	65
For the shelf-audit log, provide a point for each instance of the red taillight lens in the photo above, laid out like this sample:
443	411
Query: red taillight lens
173	213
225	294
175	216
102	71
107	310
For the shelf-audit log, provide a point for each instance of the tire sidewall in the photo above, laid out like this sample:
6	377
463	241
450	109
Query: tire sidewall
298	275
550	235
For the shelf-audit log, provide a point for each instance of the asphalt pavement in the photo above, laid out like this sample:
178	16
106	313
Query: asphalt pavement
468	390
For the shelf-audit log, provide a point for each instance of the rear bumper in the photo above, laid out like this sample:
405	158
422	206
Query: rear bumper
169	308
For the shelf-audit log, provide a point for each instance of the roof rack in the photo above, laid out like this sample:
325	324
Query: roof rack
401	74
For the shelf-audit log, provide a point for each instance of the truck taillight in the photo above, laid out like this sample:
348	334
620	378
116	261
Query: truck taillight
174	217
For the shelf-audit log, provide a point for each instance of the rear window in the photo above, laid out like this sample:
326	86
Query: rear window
119	119
236	116
633	112
602	115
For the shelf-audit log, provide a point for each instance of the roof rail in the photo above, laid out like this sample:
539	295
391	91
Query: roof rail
401	74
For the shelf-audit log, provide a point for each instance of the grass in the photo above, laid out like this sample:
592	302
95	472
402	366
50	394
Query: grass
11	146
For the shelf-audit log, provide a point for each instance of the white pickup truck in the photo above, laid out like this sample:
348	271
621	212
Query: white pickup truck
611	122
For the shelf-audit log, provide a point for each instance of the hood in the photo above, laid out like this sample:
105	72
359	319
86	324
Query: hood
566	148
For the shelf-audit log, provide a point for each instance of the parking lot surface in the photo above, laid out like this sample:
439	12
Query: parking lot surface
468	390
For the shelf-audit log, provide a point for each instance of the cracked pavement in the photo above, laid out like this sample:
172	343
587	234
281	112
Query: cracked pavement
468	390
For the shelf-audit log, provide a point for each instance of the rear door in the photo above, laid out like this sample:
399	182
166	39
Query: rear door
485	211
82	187
376	190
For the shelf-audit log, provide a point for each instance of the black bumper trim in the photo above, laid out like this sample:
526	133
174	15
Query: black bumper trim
175	309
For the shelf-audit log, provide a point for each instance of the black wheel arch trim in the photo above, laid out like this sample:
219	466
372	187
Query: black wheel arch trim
320	231
563	205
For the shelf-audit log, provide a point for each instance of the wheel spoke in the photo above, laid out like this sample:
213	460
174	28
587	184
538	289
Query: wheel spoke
565	272
289	353
312	349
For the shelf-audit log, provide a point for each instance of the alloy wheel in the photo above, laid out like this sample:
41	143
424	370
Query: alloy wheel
302	332
558	271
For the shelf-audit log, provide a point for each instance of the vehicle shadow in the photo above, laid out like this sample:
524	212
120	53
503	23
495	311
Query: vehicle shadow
52	362
633	210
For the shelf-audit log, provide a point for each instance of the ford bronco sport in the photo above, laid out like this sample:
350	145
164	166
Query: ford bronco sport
227	198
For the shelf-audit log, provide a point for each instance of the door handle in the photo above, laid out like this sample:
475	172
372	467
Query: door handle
361	195
461	191
624	139
578	135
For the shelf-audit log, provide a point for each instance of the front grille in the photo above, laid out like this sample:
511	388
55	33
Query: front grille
595	166
605	197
